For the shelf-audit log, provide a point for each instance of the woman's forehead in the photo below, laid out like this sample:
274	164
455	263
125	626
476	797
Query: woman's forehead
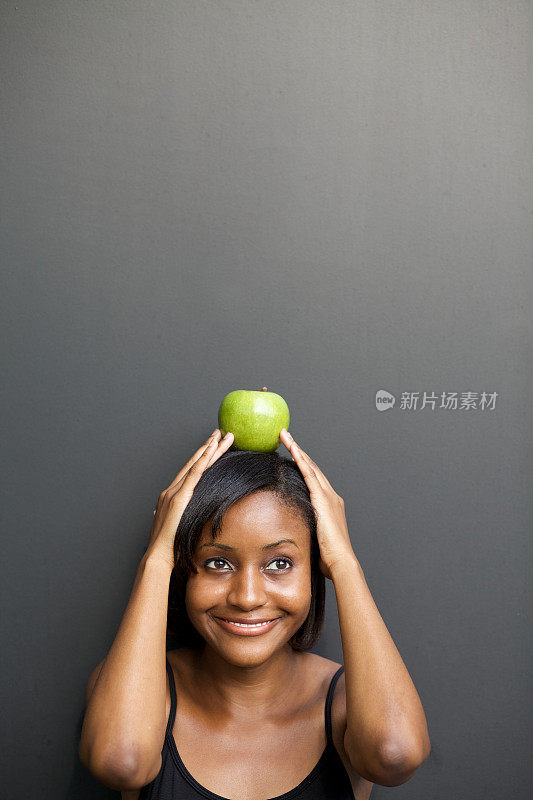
257	521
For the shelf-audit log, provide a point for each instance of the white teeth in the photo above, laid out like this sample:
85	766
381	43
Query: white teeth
249	624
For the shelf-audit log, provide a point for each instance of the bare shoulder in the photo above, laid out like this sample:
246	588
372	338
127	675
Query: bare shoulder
361	787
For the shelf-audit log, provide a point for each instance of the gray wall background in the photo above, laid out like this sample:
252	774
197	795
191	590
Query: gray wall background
326	198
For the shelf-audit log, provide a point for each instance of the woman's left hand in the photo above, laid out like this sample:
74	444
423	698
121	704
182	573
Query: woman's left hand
332	528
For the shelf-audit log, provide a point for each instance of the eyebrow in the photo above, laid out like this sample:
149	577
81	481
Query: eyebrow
264	547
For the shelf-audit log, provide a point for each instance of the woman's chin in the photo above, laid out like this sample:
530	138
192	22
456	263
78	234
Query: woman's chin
247	656
246	651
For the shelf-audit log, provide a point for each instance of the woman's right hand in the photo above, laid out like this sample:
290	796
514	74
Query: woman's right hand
174	499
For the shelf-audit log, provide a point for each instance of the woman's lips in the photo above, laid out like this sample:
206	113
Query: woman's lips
246	629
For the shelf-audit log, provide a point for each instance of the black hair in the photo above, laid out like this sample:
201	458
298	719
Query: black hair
235	475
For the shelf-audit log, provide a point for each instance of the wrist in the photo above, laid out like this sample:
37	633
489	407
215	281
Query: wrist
347	565
155	559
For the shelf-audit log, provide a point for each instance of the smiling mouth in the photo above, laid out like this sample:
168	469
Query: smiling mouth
248	624
246	628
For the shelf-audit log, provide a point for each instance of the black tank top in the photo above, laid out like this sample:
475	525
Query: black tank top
328	780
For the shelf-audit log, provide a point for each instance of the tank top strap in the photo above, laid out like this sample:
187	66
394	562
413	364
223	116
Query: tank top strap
173	700
329	701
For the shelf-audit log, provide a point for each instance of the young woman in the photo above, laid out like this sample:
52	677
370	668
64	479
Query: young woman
235	569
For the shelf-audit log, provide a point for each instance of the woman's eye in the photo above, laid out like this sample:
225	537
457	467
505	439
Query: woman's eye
282	561
219	561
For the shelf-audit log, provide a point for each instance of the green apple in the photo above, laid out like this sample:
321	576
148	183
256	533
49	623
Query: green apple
255	418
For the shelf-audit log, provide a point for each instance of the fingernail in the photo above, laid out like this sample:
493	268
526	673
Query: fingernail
228	434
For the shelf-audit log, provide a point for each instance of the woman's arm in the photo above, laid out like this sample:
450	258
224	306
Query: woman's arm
386	736
125	717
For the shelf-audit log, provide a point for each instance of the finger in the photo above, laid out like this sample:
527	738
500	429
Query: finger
202	463
301	456
223	445
191	478
305	467
194	458
318	472
288	439
184	471
211	455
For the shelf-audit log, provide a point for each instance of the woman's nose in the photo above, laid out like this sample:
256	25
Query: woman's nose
247	588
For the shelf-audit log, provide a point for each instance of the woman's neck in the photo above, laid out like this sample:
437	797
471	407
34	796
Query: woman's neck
246	688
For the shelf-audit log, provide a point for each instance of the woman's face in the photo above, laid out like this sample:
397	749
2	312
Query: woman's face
248	575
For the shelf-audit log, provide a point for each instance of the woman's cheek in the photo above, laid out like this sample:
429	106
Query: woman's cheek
295	595
202	593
